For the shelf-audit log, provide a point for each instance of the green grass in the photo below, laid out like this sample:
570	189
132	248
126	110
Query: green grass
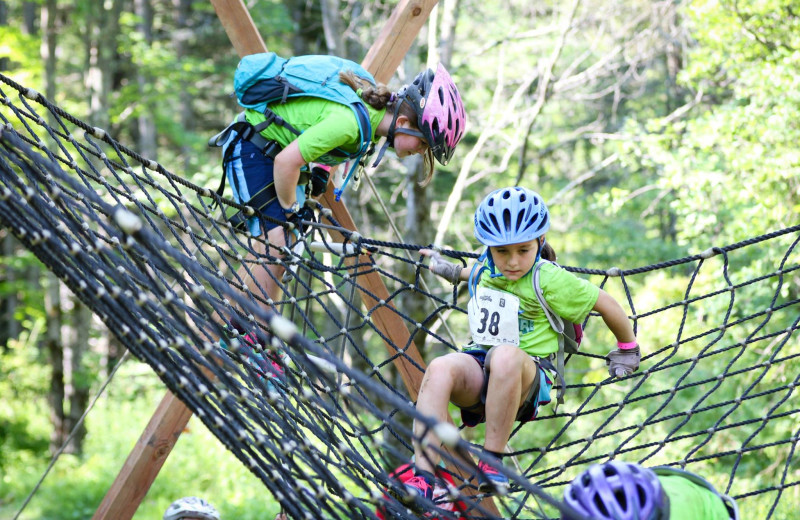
198	465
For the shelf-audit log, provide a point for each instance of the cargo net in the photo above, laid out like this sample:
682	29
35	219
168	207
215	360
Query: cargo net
313	391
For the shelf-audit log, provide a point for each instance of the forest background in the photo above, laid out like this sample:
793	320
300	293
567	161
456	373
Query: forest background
654	130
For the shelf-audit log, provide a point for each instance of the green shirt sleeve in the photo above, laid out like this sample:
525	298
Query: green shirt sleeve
570	297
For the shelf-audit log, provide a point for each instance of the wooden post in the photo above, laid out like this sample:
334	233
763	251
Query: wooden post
145	460
170	418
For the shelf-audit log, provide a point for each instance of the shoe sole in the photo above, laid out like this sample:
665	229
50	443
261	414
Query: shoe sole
491	487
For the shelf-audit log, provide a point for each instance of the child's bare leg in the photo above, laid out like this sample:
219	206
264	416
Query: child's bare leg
512	374
262	282
454	377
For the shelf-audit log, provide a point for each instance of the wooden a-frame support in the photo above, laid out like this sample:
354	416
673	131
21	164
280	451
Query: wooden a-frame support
170	418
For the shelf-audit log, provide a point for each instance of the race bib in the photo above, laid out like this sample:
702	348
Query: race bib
494	317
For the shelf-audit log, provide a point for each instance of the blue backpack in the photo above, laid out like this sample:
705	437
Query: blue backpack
264	78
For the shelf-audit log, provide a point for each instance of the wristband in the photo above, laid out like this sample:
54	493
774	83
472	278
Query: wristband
626	346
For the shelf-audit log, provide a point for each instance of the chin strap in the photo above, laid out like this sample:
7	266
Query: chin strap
397	101
390	134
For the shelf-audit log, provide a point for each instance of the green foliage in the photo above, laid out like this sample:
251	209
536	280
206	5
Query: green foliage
632	179
732	163
198	465
24	429
20	49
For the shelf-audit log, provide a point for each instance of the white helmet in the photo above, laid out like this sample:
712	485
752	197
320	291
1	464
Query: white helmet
191	507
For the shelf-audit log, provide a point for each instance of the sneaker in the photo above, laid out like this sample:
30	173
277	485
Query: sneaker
491	480
420	486
261	356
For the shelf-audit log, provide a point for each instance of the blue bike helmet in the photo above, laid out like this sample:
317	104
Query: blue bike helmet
617	491
511	216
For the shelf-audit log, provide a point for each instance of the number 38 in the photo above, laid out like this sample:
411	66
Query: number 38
490	321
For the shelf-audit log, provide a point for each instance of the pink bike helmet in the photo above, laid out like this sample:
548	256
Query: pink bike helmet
440	112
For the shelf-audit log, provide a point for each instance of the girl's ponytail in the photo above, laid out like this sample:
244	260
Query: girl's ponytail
548	253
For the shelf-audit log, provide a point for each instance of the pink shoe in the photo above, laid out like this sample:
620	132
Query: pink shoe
490	480
419	485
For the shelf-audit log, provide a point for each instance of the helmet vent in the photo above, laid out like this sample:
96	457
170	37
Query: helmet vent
507	220
622	499
520	221
600	505
495	223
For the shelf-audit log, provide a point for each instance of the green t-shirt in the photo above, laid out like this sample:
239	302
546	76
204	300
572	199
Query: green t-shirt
324	124
688	500
570	297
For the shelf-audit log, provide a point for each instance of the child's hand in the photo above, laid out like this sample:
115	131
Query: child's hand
319	178
623	363
441	267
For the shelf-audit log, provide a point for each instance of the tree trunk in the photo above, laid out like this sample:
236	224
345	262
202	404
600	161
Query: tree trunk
29	18
307	17
102	59
79	377
9	326
3	23
146	125
332	27
54	348
183	8
447	39
49	14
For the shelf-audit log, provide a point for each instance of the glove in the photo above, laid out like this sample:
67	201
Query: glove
319	179
623	362
441	267
304	213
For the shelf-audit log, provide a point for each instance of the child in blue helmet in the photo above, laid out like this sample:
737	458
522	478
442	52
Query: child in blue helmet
506	373
626	491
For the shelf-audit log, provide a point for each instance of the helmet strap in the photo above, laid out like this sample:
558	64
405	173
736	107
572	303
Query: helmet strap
390	134
408	131
541	241
487	255
380	153
475	273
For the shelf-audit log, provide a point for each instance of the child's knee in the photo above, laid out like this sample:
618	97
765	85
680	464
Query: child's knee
505	358
440	367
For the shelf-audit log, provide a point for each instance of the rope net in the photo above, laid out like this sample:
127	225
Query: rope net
309	390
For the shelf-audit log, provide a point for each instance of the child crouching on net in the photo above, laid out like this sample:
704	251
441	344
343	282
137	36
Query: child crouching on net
507	371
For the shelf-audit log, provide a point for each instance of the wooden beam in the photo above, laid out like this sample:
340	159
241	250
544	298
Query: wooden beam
400	31
145	460
384	318
239	26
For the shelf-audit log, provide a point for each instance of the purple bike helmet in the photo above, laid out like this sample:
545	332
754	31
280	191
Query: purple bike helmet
617	491
511	216
440	112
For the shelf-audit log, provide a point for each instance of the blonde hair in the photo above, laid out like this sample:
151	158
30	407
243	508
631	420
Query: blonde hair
379	96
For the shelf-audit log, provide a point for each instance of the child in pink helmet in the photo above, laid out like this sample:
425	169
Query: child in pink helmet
425	117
